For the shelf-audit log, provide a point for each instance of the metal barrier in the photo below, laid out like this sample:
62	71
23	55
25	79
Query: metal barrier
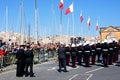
43	57
9	58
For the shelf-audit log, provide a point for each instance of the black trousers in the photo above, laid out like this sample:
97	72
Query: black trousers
98	54
93	57
79	58
87	59
111	55
73	58
105	58
31	69
68	59
62	64
20	69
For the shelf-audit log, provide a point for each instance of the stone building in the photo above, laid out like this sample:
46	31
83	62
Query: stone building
111	32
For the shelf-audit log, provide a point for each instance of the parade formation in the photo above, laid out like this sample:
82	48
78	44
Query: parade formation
88	54
71	46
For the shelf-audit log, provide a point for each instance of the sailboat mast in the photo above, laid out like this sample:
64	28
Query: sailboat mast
36	20
29	32
53	21
21	22
6	21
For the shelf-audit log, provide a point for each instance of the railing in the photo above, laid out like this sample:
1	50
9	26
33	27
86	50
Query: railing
9	58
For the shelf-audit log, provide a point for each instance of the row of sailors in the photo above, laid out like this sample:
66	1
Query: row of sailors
100	52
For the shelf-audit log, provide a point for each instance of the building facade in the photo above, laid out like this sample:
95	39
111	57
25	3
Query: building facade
110	32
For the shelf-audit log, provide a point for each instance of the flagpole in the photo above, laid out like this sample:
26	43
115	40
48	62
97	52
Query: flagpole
36	20
6	22
81	24
73	23
68	26
60	25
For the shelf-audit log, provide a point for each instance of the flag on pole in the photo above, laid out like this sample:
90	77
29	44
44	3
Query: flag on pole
69	10
61	5
88	22
97	26
81	17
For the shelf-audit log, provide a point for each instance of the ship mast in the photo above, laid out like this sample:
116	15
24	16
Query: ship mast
21	22
6	22
36	20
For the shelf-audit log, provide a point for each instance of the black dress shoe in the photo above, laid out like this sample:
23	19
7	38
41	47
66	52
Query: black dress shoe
65	71
26	75
59	70
32	75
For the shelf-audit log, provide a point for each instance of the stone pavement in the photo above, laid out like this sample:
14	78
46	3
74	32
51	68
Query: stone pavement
13	66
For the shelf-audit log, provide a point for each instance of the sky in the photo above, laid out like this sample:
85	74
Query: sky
107	12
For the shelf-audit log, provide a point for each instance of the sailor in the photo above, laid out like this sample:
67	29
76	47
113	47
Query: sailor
98	51
29	61
87	50
111	52
79	53
62	58
67	53
73	55
105	52
20	57
115	58
93	53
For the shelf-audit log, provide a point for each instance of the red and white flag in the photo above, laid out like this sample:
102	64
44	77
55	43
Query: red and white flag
88	22
69	10
97	26
61	5
81	17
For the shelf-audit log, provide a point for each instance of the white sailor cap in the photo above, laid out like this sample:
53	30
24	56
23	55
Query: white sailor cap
73	45
67	45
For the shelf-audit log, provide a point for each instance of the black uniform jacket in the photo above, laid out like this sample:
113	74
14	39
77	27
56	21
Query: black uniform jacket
61	53
20	56
29	56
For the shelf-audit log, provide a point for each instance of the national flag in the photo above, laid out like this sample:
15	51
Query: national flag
61	5
88	22
69	10
97	26
81	17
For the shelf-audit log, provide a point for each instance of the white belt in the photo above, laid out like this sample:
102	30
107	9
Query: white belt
67	52
98	48
111	48
79	51
105	49
87	51
93	50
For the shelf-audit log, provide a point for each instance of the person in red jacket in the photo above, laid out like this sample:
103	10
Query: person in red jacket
2	52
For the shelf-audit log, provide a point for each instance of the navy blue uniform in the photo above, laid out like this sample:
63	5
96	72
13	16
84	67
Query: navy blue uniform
98	51
20	56
111	53
87	54
79	54
29	62
62	59
73	56
67	53
115	58
105	50
93	53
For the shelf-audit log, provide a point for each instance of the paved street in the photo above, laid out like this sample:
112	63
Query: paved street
48	71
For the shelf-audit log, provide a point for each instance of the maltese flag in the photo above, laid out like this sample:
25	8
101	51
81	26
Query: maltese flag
88	22
81	17
69	10
61	5
97	26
